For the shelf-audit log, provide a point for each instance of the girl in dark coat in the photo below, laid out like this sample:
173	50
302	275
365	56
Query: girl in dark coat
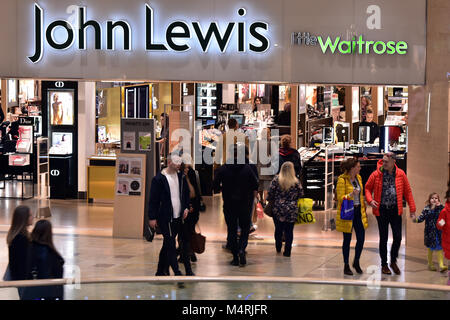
433	236
45	263
18	240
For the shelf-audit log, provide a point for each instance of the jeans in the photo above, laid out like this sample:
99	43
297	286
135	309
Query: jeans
288	229
235	216
360	237
386	217
168	253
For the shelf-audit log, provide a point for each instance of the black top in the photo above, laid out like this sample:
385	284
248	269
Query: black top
292	155
160	206
238	183
19	257
374	130
284	118
195	202
2	115
45	263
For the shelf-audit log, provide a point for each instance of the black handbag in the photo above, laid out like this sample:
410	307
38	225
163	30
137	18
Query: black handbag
198	242
268	210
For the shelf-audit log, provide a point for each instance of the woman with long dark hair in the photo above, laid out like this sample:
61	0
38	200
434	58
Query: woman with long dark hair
18	240
184	239
350	186
45	263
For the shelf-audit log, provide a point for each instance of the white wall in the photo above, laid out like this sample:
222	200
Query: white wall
86	129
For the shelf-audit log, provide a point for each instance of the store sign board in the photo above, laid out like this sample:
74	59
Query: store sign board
353	46
215	40
176	30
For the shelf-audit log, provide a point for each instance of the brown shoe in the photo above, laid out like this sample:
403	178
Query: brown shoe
395	268
385	270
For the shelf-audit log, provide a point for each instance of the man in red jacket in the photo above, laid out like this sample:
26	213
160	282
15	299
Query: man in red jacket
389	184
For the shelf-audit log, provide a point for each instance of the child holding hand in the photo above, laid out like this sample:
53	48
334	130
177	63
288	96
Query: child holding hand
433	236
443	224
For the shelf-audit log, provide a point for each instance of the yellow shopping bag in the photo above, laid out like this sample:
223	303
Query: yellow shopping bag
305	211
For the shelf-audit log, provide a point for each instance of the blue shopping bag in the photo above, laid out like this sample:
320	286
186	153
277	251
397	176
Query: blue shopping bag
347	210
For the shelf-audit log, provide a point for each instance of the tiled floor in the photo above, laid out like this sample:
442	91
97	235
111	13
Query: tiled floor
83	236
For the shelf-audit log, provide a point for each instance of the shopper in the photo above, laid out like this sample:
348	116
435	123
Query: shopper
18	240
284	192
389	185
256	102
350	186
254	216
284	118
443	224
433	236
45	263
374	129
188	227
2	116
169	205
287	153
238	184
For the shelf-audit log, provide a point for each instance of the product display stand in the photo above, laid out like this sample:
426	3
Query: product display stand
329	186
43	179
130	191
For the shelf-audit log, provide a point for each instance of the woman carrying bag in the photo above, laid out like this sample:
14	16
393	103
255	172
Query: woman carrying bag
284	192
350	197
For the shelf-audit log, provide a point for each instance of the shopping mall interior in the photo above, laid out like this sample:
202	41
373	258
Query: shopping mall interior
83	134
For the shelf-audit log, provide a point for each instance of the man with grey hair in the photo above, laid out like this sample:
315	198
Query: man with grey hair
389	184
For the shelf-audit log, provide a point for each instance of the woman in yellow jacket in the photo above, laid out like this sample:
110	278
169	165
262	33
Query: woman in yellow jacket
350	186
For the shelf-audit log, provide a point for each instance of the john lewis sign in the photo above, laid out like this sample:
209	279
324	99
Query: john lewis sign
215	40
177	34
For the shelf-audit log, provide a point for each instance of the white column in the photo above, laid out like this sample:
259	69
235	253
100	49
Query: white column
86	129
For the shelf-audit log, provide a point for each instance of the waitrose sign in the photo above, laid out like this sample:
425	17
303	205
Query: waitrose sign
355	46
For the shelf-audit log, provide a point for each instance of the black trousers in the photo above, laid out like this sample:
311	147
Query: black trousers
389	217
288	229
235	216
184	239
360	237
168	253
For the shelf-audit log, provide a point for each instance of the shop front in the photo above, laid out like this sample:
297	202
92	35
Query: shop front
335	76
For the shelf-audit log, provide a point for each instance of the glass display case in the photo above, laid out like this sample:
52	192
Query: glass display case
207	100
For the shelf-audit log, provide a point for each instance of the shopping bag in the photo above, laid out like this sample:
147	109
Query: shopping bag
198	242
347	209
305	211
260	210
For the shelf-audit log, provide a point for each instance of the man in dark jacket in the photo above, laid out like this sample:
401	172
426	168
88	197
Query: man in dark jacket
169	206
289	154
238	184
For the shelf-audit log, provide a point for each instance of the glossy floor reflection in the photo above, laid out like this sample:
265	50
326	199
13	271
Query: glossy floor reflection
83	236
